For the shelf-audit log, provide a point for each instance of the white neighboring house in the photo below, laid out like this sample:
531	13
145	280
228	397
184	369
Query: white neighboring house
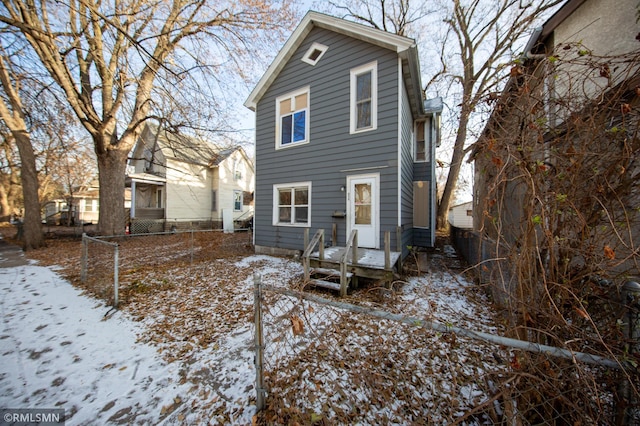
461	215
180	181
85	206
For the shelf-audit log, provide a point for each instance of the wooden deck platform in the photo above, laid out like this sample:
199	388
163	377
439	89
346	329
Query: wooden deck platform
369	263
367	258
339	268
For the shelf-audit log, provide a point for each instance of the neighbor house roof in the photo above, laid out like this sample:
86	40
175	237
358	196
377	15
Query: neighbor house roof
531	54
405	47
181	147
540	34
188	149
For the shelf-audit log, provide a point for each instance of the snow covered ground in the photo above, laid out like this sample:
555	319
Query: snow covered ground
58	351
182	355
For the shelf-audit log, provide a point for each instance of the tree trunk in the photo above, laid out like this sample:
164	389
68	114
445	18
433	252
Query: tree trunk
112	164
454	172
32	237
5	209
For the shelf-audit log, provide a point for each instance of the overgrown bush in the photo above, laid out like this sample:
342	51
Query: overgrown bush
558	182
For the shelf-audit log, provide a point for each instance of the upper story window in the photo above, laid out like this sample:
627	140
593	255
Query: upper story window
237	170
314	54
292	114
364	98
420	143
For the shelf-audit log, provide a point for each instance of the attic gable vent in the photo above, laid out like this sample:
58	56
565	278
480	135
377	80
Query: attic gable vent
314	54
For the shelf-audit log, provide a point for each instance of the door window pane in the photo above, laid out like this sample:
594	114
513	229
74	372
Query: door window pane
362	203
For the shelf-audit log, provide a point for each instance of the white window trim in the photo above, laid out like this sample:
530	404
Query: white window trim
236	192
276	204
355	72
315	46
292	96
427	134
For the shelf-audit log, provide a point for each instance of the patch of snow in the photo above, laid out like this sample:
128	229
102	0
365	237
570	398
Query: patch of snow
59	350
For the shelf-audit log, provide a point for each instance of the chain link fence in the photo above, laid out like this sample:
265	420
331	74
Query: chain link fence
114	266
99	268
320	361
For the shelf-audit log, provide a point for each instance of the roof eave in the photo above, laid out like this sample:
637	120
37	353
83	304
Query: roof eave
414	85
314	19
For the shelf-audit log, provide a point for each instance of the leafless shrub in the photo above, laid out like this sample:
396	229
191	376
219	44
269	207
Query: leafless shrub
559	194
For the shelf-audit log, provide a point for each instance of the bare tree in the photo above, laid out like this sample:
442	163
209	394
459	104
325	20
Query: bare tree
10	188
480	40
13	115
394	16
107	58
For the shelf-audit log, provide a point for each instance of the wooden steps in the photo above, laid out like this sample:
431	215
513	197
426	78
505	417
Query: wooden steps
339	268
321	277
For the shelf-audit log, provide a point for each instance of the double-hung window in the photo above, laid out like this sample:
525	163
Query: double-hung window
292	113
420	143
237	201
364	98
292	204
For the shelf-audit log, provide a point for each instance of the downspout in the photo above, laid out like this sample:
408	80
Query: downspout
132	210
400	123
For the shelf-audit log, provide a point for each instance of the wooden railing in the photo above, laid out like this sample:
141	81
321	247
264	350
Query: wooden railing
351	246
149	213
318	238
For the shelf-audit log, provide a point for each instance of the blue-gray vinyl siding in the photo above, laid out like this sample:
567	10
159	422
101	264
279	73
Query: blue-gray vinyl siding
332	153
425	171
406	175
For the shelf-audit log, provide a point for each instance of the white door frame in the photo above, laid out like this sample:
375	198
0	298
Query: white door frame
368	236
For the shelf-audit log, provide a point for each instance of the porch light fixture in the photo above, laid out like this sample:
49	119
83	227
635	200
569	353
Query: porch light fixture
342	188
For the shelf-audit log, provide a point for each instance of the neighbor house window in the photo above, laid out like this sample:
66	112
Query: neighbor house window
421	146
364	98
159	198
237	201
91	205
292	204
237	170
292	125
314	54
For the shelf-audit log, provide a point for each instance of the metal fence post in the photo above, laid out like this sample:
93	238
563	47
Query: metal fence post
631	301
83	258
192	246
259	343
116	270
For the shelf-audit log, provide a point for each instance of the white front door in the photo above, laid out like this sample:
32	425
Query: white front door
363	209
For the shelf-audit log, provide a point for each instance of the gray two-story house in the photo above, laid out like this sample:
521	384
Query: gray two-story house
344	140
